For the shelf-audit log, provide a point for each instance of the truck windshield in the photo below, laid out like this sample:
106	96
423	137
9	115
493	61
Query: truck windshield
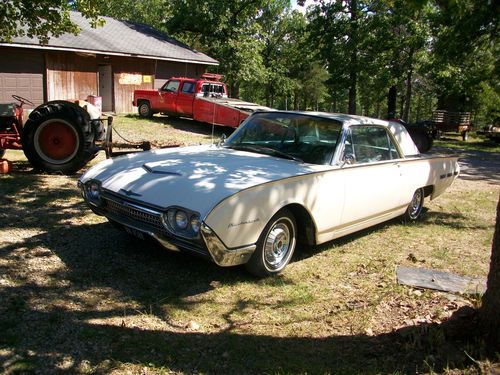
294	136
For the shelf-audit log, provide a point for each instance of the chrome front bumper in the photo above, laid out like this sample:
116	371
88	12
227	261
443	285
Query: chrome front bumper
220	253
147	221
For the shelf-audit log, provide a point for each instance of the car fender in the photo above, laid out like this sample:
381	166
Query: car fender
239	219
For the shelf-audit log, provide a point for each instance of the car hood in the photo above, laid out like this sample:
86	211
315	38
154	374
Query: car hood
196	177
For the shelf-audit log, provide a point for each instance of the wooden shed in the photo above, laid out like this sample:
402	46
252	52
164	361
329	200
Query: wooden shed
110	62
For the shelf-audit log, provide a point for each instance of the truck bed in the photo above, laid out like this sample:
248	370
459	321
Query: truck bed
224	111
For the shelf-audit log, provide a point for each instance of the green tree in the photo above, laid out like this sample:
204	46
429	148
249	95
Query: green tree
43	18
148	12
226	30
464	52
335	29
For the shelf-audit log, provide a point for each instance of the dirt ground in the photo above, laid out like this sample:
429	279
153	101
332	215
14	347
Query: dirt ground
79	296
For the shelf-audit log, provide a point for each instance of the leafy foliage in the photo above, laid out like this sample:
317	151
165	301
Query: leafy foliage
341	56
43	18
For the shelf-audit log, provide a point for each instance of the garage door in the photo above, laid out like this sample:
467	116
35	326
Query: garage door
21	73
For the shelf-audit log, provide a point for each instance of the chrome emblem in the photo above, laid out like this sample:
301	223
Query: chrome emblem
130	193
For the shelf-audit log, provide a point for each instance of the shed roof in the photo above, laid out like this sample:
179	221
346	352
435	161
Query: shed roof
121	38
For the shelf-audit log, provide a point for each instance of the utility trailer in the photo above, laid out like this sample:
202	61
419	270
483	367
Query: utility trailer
456	122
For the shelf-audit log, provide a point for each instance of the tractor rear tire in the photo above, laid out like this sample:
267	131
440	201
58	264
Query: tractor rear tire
59	137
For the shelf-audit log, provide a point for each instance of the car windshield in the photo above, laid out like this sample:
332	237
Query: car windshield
299	137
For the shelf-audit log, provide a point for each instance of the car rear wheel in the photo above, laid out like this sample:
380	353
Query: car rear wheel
415	207
275	246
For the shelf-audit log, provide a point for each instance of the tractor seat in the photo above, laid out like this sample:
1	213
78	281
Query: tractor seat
7	110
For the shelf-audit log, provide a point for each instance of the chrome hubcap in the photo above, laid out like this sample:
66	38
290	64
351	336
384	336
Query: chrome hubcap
278	244
416	204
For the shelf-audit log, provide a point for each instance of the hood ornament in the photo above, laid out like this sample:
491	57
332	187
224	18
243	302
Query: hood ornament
130	193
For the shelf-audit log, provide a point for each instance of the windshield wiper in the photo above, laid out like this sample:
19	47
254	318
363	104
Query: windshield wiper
265	150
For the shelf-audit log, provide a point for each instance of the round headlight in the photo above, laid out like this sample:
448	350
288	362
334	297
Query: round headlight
94	190
195	223
181	219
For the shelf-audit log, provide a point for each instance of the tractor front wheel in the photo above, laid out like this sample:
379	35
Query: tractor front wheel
58	137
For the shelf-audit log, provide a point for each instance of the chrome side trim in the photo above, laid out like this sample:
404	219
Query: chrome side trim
221	255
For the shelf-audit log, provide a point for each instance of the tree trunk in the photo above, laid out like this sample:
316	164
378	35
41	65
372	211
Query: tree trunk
234	89
353	66
407	103
490	308
268	95
391	102
401	105
419	110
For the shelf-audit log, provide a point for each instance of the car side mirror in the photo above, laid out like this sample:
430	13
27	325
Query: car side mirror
222	140
349	159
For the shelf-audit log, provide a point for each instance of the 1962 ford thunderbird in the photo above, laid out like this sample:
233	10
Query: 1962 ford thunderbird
280	179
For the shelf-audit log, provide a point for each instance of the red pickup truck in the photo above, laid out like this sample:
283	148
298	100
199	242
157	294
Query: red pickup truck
203	100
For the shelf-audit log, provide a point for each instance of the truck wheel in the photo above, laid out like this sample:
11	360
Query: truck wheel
275	246
59	137
145	110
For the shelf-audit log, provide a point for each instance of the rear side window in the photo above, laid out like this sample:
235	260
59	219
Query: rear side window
212	88
188	87
368	144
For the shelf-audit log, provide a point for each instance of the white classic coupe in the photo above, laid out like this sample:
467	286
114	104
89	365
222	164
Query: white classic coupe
280	179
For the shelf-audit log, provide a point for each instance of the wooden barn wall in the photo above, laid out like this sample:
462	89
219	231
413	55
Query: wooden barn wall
167	69
75	76
70	76
130	74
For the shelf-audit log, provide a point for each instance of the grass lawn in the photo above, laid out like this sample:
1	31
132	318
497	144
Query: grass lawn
79	296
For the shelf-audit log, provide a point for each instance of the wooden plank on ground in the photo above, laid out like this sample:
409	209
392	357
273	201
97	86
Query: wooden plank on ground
439	280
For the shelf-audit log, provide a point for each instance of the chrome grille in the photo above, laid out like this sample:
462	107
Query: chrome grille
129	212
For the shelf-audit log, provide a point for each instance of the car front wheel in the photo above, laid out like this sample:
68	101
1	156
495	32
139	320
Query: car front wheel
275	246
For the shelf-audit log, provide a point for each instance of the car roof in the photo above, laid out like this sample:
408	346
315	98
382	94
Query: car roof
342	117
398	130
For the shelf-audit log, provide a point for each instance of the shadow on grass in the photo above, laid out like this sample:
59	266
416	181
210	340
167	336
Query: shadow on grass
67	329
146	276
85	346
48	322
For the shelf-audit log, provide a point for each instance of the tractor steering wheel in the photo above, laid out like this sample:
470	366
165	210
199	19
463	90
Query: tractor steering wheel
23	100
